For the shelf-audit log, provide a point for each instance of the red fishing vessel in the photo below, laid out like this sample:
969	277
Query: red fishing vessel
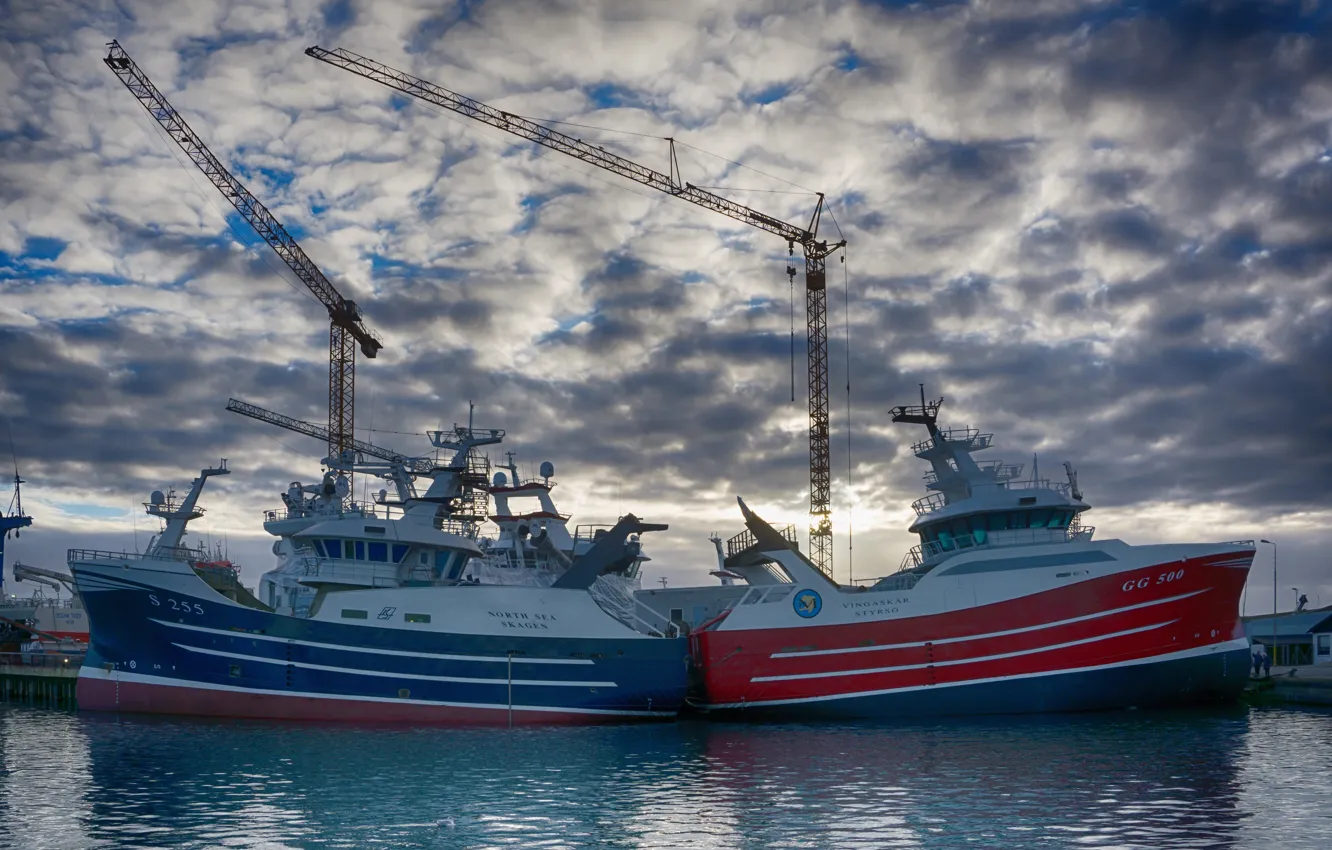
1007	605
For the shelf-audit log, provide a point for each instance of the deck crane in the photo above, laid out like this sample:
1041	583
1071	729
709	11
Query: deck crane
346	330
414	465
815	251
468	504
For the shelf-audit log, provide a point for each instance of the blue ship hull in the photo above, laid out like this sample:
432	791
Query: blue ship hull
157	649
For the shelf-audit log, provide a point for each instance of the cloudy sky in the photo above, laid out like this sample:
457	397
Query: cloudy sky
1102	231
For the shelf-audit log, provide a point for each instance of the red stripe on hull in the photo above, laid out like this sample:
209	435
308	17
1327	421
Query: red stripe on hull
146	698
1207	614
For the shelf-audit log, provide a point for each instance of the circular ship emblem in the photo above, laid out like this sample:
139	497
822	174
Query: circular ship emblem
808	603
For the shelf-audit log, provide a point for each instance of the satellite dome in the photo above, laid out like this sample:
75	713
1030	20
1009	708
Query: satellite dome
157	498
501	480
547	469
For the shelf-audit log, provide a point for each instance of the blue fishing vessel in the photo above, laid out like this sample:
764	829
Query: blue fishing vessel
394	627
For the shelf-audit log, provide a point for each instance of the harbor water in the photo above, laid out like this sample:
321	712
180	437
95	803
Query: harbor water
1259	778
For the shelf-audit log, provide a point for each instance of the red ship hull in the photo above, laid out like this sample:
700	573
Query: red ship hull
1159	635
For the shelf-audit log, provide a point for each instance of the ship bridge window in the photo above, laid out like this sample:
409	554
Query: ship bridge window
399	552
980	526
333	548
360	550
376	550
319	548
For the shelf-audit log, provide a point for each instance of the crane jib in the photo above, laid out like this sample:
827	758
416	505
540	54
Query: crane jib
346	329
815	252
532	131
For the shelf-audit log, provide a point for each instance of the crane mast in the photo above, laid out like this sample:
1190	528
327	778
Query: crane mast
346	330
815	251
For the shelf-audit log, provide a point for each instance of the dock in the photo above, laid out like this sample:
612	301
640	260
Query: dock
1306	684
39	678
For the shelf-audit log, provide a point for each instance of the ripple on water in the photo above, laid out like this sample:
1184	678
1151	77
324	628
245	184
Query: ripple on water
1140	780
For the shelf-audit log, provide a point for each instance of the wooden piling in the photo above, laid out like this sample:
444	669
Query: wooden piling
40	679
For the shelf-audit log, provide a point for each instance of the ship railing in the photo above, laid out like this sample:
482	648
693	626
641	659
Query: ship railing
164	553
745	540
48	660
910	560
924	553
352	572
902	580
996	469
588	533
968	439
520	483
616	597
39	601
760	594
650	622
1063	488
920	555
929	504
1081	534
462	528
357	509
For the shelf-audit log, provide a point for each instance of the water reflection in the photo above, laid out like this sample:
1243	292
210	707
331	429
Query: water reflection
1130	780
45	778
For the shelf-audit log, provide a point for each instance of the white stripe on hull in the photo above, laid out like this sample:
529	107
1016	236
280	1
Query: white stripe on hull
1226	646
98	673
915	644
978	659
402	653
466	680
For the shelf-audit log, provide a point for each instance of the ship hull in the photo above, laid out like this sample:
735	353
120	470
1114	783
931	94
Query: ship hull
162	642
66	622
1165	634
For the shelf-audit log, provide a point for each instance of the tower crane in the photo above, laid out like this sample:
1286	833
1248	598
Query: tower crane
815	250
346	330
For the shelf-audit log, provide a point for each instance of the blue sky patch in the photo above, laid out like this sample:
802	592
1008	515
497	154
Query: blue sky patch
612	96
90	511
771	94
43	248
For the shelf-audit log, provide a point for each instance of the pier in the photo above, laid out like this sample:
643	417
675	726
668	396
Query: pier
1303	685
39	678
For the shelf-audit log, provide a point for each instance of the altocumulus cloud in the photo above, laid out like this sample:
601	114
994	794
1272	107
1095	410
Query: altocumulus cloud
1101	230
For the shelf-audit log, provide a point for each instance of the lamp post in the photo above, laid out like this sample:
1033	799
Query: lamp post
1274	596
